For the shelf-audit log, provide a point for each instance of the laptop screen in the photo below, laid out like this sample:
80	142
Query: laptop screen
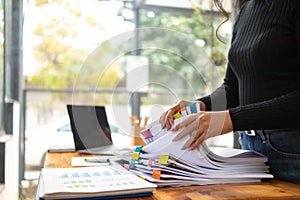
89	126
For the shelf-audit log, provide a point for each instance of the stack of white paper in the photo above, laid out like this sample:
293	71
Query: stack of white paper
165	163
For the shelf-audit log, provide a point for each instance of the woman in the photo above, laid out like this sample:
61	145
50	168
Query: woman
260	95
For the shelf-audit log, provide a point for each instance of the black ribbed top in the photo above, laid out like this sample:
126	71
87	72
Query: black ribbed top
262	82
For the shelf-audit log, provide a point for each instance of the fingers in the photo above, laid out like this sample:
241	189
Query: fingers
169	122
194	141
205	125
202	105
197	141
191	118
162	118
190	125
166	118
188	143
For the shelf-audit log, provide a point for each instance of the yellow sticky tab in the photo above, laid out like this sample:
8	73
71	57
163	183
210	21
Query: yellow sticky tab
135	155
163	159
177	115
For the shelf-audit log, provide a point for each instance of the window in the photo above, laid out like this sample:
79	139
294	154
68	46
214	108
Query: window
1	68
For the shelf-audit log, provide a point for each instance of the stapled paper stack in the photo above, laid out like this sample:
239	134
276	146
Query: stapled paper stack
165	163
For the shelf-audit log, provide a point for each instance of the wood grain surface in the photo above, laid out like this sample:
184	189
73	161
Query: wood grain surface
267	189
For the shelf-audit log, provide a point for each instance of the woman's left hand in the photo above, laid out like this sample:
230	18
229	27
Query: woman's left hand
205	125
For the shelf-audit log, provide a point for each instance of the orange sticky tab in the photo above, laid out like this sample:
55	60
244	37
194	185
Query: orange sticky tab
135	155
163	159
156	174
182	109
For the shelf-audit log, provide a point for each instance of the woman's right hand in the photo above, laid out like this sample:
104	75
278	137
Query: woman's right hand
166	119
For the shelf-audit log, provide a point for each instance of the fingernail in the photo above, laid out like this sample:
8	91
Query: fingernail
183	148
175	128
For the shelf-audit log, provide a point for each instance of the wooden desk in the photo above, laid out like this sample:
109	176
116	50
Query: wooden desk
270	189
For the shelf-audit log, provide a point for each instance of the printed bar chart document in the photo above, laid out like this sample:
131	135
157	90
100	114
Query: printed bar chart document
90	182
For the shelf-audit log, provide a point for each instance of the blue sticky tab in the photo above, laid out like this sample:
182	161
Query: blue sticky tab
138	148
193	108
132	163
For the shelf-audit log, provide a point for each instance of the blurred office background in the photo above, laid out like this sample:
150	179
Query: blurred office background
136	57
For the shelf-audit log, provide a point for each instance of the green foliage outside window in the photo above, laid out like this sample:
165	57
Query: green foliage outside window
61	63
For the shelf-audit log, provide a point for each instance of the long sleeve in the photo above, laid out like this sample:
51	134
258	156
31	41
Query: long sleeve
224	97
263	79
279	113
282	111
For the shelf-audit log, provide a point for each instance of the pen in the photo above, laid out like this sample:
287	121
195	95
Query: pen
97	160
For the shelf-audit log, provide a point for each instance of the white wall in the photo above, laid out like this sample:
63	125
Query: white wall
11	187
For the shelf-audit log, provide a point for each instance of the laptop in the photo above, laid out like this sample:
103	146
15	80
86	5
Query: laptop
90	128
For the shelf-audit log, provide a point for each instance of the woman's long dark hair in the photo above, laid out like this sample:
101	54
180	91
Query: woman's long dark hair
218	4
220	7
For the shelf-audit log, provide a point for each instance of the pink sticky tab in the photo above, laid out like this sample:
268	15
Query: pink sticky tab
126	166
146	134
150	161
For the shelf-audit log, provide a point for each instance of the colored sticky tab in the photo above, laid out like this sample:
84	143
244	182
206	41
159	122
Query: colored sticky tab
126	166
132	163
135	155
146	133
193	108
198	107
163	159
188	110
150	161
173	164
183	112
148	140
156	174
138	148
177	115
